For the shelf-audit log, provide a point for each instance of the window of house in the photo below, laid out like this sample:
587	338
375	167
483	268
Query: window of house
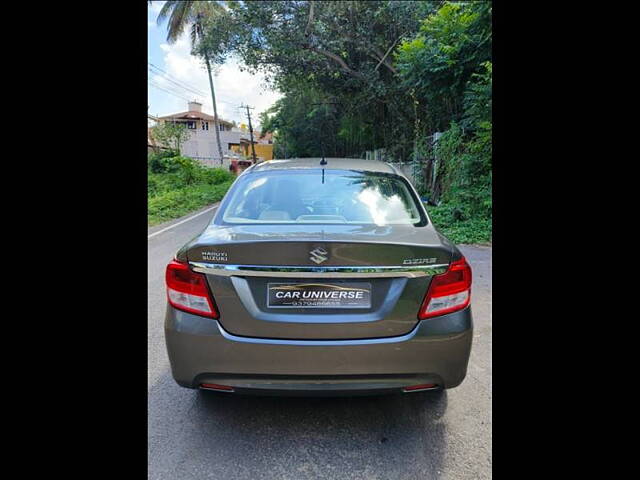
191	125
205	125
221	127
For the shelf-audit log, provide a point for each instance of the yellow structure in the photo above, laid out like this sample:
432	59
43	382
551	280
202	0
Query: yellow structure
263	150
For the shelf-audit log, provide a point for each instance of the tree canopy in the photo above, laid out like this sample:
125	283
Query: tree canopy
366	75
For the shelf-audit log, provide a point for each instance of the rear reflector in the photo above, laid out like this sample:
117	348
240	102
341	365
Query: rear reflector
417	388
215	386
188	290
448	292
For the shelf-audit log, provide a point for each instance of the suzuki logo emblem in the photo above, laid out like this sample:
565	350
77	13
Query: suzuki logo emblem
318	255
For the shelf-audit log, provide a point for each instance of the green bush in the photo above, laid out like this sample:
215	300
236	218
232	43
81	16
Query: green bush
465	175
177	185
460	227
159	162
176	203
216	175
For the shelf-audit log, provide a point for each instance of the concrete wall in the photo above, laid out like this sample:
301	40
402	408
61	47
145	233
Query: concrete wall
202	143
210	162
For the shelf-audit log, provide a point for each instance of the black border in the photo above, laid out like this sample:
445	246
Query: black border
80	242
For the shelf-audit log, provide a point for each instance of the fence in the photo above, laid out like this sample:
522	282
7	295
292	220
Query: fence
420	168
214	161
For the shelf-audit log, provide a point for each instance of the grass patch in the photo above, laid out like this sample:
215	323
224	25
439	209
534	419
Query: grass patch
179	202
179	185
473	229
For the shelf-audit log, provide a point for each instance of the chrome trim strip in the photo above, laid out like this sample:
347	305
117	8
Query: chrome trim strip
317	272
318	343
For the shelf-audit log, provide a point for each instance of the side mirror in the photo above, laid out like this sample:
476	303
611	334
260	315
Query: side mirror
428	201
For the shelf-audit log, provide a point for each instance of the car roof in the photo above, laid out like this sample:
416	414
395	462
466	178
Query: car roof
358	164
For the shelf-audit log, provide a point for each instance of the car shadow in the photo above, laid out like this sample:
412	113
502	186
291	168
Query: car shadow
390	436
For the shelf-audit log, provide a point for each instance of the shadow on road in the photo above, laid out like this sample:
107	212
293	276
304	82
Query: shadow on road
399	435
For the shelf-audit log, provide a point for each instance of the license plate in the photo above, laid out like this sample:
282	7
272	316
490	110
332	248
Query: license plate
319	295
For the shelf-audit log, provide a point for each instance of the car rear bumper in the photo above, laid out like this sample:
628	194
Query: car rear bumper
435	352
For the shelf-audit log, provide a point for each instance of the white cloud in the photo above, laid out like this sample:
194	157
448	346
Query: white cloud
233	87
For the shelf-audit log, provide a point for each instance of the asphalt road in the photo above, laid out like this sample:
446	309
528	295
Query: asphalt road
199	435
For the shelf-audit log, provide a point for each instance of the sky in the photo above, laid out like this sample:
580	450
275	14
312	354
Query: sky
232	86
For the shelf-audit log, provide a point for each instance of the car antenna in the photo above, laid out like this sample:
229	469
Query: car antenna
323	161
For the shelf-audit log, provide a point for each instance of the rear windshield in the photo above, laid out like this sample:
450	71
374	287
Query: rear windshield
316	196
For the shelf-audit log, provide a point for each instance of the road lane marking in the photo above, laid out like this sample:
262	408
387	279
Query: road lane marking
181	222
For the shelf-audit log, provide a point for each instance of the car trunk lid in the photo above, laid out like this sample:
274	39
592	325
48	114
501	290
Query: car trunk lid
352	281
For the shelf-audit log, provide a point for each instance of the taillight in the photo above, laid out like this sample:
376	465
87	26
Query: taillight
448	292
188	290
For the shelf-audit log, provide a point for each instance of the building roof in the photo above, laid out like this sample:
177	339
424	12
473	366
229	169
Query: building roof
265	136
193	115
357	164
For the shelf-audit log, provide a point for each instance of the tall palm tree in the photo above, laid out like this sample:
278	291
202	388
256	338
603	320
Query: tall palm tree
183	13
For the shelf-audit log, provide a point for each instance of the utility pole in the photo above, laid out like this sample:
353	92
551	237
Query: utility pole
253	149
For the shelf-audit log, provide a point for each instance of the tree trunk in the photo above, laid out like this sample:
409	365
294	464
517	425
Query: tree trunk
215	109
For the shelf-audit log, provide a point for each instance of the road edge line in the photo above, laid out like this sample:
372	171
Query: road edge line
181	222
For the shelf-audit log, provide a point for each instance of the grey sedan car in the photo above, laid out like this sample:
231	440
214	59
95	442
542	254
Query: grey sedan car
322	277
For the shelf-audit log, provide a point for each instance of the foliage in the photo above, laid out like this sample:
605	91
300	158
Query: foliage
477	99
472	230
333	63
161	161
181	14
180	184
176	203
451	46
466	177
358	76
171	135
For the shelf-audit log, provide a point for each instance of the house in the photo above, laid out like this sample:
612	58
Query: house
266	137
202	144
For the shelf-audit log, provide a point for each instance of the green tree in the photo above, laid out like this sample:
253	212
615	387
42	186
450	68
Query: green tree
331	52
172	135
180	14
453	43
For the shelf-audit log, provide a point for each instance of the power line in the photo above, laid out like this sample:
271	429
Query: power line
181	83
173	91
169	91
189	88
187	91
182	89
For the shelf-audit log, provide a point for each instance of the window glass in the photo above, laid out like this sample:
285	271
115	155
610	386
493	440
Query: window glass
335	196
